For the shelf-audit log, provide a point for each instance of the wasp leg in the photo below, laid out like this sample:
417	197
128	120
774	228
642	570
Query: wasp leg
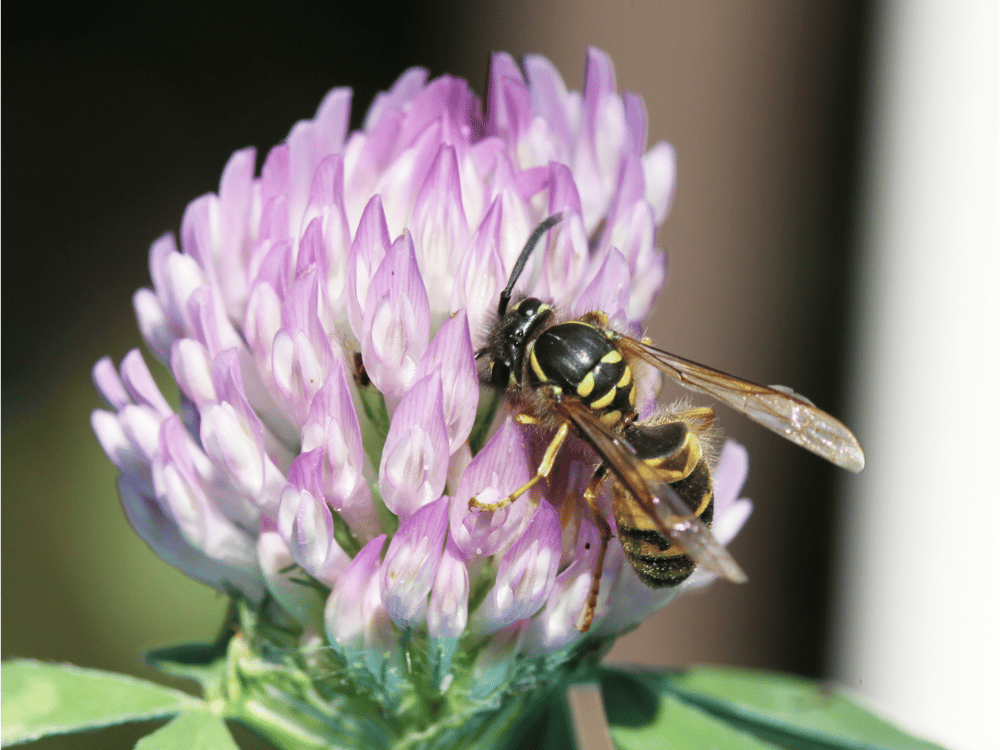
544	468
590	495
597	319
700	418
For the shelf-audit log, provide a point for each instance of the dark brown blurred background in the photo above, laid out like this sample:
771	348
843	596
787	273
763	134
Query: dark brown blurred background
116	117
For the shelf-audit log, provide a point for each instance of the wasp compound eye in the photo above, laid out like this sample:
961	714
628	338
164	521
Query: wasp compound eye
499	374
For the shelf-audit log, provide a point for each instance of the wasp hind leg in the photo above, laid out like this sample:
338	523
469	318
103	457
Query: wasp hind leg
597	319
586	617
544	468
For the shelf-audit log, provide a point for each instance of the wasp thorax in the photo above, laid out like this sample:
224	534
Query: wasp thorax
579	358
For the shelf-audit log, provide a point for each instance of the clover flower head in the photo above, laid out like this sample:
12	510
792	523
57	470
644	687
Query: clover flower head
321	320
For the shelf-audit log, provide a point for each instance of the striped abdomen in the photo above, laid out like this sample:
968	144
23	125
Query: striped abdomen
674	450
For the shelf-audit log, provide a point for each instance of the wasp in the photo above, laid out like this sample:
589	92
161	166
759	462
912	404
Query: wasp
578	377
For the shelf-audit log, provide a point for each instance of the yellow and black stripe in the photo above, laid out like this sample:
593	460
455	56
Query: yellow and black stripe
674	451
581	359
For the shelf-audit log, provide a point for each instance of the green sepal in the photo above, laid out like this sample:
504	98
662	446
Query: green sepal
752	708
343	535
204	663
41	699
486	411
377	416
194	731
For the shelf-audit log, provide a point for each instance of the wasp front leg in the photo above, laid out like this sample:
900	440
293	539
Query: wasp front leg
544	468
590	495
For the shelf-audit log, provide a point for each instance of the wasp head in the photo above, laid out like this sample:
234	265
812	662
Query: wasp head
510	339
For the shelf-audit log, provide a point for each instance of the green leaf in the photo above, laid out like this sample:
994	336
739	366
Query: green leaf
558	725
40	699
546	726
642	716
198	730
789	711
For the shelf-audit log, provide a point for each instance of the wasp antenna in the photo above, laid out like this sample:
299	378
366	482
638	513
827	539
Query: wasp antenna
529	246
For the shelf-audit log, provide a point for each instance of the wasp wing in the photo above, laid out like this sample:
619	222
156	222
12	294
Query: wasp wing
673	517
776	407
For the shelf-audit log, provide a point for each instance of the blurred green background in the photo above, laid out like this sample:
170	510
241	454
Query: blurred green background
116	116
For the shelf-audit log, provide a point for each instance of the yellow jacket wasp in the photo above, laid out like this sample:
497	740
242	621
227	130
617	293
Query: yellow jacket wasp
577	376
